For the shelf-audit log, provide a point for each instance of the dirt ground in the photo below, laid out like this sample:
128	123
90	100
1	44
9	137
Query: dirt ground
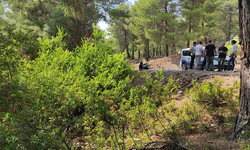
160	62
218	138
166	63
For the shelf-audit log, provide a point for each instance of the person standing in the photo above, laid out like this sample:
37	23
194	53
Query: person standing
222	56
204	60
198	54
210	50
233	54
192	50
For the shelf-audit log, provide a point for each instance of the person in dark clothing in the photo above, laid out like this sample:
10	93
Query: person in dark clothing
192	50
203	65
210	50
143	66
222	56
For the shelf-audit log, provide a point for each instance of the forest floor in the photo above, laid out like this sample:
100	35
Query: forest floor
213	138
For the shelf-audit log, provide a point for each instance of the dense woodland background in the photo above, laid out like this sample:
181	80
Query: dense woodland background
148	28
65	84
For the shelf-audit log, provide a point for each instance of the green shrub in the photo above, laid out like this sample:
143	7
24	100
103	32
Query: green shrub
87	93
61	92
213	97
141	113
13	95
13	46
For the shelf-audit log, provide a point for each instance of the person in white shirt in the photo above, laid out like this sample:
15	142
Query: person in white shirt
198	54
233	55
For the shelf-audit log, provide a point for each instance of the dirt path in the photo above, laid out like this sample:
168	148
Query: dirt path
160	63
166	63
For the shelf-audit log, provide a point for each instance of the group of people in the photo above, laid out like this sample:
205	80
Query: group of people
209	52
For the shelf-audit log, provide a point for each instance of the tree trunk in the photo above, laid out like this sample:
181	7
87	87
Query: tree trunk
173	49
160	50
230	21
243	120
173	46
190	24
126	43
139	52
204	36
133	51
147	50
205	40
189	31
153	52
166	25
166	50
128	55
156	51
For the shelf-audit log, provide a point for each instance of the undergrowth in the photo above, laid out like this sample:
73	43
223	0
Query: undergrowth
214	98
85	98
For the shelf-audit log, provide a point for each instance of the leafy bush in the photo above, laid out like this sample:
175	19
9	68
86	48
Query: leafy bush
60	91
66	99
13	97
213	97
13	44
141	117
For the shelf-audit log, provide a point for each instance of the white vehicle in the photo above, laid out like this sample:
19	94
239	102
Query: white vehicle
186	60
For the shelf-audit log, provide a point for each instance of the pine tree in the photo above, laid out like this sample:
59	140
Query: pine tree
138	26
191	13
155	23
242	120
227	19
44	16
208	15
81	8
119	27
133	39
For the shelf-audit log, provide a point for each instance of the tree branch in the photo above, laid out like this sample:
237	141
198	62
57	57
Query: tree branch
4	21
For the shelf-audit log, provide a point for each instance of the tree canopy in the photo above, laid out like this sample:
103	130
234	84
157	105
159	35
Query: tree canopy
170	25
